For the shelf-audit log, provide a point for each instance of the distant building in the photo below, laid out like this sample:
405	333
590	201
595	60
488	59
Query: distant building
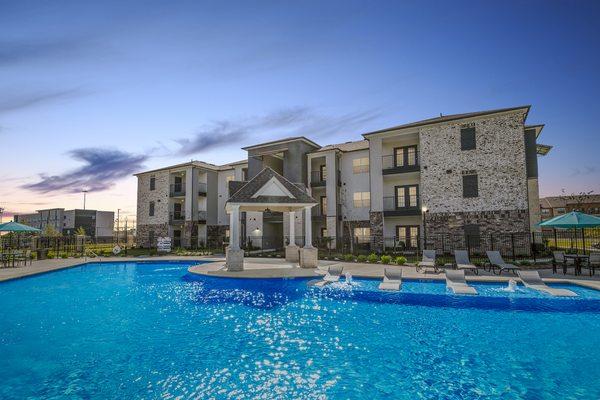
551	207
97	224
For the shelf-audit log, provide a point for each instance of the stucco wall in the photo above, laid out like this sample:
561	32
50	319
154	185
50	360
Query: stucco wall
352	183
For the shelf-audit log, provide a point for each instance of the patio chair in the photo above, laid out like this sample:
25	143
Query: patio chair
23	257
392	279
428	261
498	264
558	258
462	262
593	263
455	281
532	280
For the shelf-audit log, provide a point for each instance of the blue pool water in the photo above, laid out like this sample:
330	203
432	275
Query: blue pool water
150	330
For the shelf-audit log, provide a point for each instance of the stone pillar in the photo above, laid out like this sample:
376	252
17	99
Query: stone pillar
331	186
233	254
308	254
376	222
291	251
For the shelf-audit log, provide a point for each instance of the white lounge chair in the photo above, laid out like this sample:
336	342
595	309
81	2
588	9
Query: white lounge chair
455	281
428	261
333	274
532	280
461	258
392	279
497	263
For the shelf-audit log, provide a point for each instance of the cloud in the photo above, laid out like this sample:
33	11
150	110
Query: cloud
19	51
292	121
24	100
101	169
587	170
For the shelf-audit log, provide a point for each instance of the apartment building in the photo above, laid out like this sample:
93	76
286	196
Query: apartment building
97	224
463	174
553	206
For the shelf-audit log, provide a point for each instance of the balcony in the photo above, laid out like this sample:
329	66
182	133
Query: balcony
176	218
202	215
201	189
177	190
317	179
393	208
317	214
390	166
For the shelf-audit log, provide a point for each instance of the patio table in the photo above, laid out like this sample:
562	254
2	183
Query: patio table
577	258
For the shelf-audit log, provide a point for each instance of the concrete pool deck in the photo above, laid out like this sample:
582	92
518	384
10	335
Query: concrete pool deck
279	268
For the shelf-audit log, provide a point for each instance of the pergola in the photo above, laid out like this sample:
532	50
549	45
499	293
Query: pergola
269	191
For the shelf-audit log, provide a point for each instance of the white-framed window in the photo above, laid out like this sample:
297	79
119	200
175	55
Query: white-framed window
362	199
362	235
360	165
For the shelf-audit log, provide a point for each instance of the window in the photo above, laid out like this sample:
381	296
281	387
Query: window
150	238
151	209
323	172
560	210
408	235
152	183
405	156
323	232
407	196
323	205
227	233
472	235
362	199
362	235
467	138
470	186
545	211
360	165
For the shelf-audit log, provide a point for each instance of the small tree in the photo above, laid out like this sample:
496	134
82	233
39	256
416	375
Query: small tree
50	231
579	198
80	231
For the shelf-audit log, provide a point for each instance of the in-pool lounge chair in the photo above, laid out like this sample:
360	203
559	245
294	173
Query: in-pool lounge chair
428	261
455	281
462	262
333	274
498	264
532	280
392	279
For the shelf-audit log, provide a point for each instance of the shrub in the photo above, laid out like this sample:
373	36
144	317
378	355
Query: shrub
525	263
400	260
63	255
372	258
348	257
386	259
362	258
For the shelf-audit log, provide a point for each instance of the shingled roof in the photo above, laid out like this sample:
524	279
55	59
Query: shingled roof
248	192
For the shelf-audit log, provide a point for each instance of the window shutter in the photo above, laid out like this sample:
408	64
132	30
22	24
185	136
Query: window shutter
467	138
470	186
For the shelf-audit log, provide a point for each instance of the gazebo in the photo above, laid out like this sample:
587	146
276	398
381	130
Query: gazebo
270	191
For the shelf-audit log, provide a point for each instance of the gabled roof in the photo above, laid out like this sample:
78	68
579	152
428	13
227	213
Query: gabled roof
251	191
285	140
451	117
345	147
562	201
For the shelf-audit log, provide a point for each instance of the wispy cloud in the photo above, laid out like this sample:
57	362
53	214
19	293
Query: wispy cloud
19	51
286	122
23	100
101	169
586	170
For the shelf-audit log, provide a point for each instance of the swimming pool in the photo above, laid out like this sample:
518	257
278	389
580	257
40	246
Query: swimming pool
150	330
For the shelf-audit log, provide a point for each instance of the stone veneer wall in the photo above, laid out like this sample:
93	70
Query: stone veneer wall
376	222
489	222
190	230
143	233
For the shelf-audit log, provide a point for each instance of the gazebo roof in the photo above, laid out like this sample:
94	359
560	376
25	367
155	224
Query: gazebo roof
268	188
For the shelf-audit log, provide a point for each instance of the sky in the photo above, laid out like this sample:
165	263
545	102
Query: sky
93	92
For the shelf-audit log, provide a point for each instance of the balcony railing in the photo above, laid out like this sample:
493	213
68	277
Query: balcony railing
390	166
317	179
201	189
394	206
177	190
318	214
177	217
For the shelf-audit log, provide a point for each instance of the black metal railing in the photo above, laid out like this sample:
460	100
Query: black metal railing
399	206
320	179
317	213
176	217
202	189
177	189
391	166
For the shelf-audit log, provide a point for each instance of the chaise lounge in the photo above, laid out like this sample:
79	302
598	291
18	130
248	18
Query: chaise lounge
428	261
392	279
532	280
462	262
455	281
498	264
333	274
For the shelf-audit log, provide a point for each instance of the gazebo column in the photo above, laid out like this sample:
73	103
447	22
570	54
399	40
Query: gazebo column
308	254
291	250
233	254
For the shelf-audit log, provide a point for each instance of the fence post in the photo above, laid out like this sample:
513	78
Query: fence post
467	237
533	246
512	241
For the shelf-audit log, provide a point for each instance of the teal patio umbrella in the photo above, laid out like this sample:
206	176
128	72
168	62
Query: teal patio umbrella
16	227
573	220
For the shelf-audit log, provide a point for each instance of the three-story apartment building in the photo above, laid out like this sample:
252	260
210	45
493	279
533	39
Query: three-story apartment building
464	174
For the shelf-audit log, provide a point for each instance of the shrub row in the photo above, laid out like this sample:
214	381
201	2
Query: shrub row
374	259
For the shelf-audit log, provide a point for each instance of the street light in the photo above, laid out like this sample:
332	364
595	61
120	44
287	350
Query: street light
84	193
424	211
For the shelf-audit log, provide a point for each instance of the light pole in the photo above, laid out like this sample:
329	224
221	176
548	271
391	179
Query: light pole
424	211
118	214
1	213
84	193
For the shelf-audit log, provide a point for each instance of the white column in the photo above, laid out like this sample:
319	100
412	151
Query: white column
234	228
308	228
292	228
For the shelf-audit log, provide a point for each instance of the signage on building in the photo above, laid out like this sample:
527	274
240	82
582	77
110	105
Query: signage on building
163	244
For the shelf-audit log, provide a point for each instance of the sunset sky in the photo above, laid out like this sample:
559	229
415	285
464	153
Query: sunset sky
93	92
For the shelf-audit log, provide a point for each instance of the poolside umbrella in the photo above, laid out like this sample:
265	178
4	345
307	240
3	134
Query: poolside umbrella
573	220
16	227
